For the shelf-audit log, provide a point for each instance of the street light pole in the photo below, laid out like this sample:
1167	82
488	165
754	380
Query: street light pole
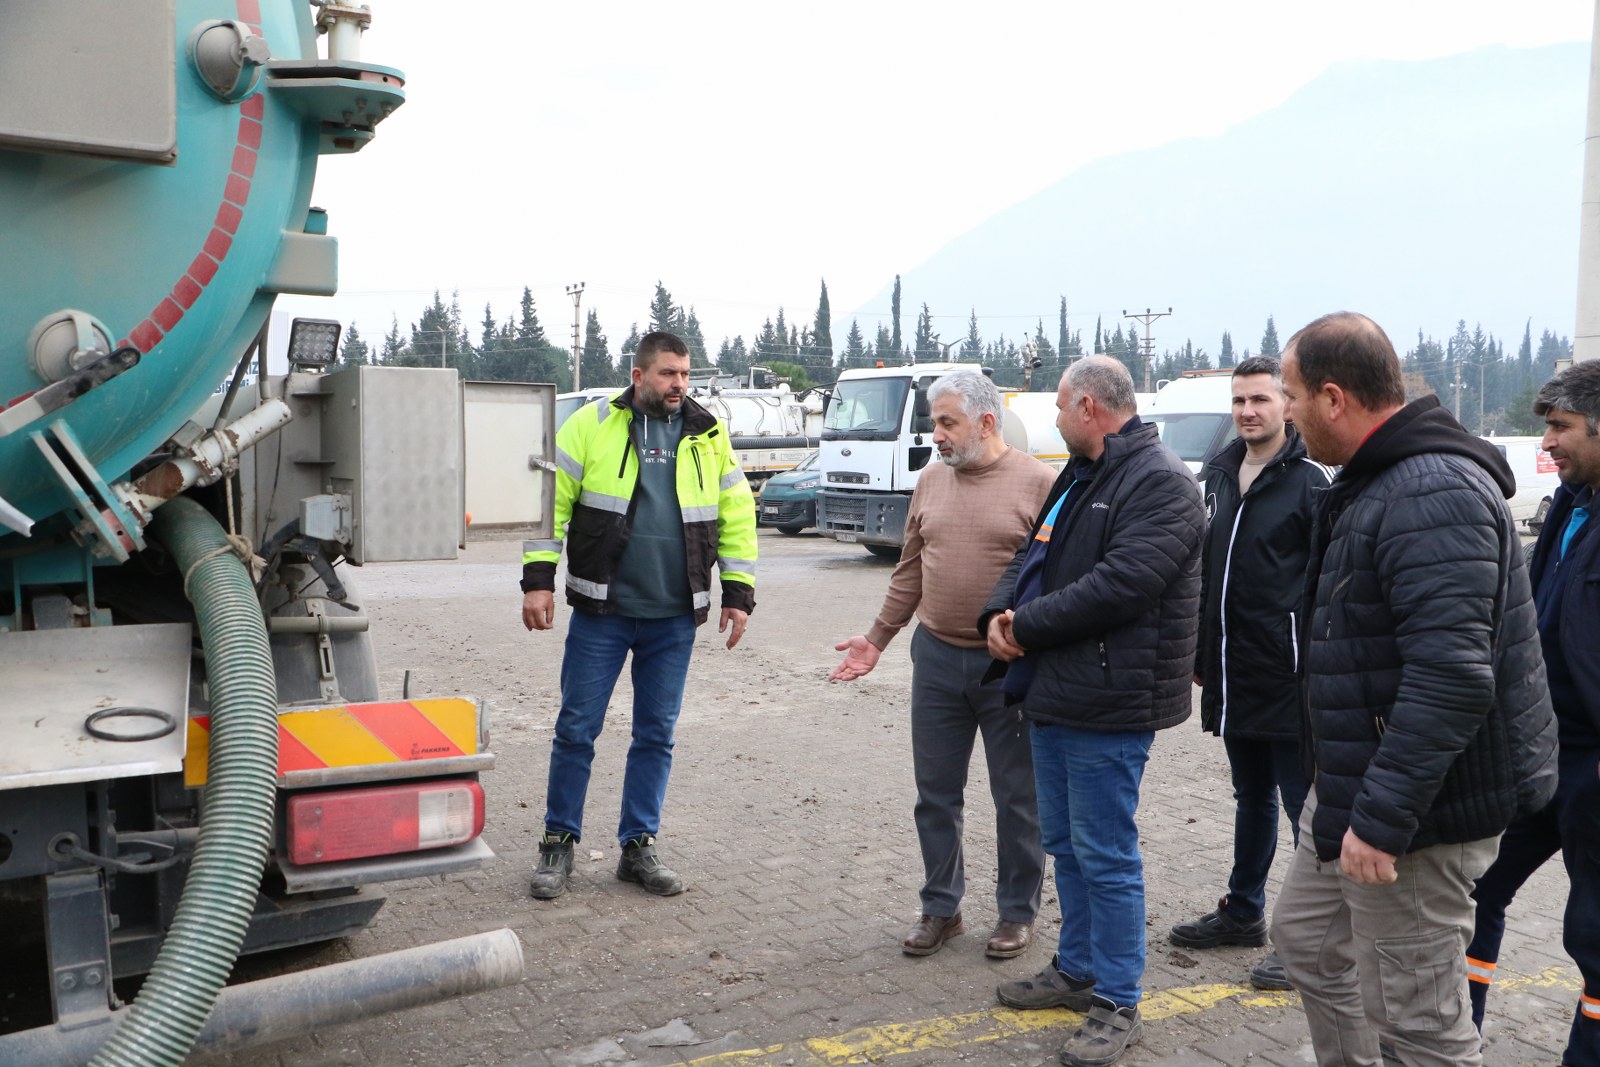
576	292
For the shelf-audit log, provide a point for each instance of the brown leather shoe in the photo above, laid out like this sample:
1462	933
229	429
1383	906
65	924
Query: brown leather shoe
930	933
1009	939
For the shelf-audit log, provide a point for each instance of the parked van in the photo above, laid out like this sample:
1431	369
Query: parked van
1536	478
1195	415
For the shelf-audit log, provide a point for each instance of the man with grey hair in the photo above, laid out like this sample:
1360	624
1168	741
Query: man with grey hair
1095	619
967	516
1565	575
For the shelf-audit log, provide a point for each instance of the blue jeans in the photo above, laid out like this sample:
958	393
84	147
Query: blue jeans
1263	771
596	647
1088	787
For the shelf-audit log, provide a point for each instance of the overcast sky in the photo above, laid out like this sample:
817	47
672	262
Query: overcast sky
743	152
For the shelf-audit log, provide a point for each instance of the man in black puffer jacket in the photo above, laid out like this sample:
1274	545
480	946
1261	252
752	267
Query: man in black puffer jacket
1428	713
1095	618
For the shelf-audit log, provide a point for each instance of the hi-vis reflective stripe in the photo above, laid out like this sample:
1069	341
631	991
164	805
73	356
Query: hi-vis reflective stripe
1480	971
743	566
1589	1005
700	513
356	735
731	479
589	498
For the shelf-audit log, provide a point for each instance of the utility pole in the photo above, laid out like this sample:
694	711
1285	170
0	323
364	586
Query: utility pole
1147	346
1458	387
576	292
442	334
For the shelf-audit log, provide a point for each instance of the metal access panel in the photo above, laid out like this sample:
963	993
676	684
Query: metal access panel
510	449
94	77
56	679
391	440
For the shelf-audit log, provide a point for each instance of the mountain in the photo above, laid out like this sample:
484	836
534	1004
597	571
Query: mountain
1416	192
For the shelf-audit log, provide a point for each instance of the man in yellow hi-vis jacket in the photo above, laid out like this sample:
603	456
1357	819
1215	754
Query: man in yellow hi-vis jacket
649	496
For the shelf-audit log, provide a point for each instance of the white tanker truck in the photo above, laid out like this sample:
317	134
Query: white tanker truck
197	762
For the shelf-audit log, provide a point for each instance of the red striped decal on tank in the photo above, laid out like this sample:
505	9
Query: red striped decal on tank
235	193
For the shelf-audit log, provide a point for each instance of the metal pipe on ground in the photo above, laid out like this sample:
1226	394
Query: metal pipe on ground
292	1005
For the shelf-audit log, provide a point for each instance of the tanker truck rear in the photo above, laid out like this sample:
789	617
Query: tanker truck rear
877	436
197	761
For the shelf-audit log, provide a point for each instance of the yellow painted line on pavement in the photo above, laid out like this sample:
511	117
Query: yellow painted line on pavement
871	1044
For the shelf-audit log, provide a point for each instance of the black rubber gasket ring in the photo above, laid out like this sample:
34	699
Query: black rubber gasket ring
167	723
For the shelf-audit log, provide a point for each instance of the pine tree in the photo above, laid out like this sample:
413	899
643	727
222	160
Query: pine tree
1269	340
822	331
631	345
392	345
598	370
696	340
924	348
1063	335
883	350
662	310
855	348
972	347
894	312
1225	352
354	351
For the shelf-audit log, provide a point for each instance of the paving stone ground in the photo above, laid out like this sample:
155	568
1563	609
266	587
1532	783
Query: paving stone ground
790	817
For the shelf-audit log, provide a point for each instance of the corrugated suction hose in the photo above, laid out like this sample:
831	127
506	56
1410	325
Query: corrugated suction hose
237	809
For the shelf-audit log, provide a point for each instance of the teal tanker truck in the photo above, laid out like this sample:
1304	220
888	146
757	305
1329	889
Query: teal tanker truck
195	759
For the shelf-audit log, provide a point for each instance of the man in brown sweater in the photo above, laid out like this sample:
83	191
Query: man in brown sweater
968	516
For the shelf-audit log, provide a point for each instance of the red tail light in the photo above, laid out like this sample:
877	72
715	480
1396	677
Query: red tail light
382	821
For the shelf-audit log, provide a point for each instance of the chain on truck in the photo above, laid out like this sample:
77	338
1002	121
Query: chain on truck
197	761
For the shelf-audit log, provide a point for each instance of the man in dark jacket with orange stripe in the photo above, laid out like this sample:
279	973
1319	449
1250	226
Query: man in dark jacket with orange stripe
1566	580
1428	712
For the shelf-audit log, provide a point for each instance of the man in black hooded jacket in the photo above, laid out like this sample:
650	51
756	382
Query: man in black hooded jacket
1429	716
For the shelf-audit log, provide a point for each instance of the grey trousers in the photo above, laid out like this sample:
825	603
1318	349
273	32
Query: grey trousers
949	707
1383	962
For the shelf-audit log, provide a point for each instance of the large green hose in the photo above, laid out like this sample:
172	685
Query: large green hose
237	812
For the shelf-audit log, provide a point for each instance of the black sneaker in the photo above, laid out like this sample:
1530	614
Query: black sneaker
639	863
1270	974
555	865
1219	928
1105	1035
1047	989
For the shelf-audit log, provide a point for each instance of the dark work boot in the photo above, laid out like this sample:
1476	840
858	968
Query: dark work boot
555	865
639	863
1219	928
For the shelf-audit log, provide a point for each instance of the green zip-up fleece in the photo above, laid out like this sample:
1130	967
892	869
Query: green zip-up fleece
597	479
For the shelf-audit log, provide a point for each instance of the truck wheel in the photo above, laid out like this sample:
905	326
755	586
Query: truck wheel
1537	522
790	531
885	551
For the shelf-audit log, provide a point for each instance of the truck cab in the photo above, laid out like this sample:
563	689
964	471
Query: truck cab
877	436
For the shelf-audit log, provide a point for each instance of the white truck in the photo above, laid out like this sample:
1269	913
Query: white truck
1536	475
877	436
1195	414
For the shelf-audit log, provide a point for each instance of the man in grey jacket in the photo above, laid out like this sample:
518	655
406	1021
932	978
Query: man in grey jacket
1428	713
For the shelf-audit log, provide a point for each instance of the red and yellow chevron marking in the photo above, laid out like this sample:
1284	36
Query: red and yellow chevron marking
356	735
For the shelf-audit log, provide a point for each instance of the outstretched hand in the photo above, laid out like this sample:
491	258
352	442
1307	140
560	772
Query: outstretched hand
860	656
